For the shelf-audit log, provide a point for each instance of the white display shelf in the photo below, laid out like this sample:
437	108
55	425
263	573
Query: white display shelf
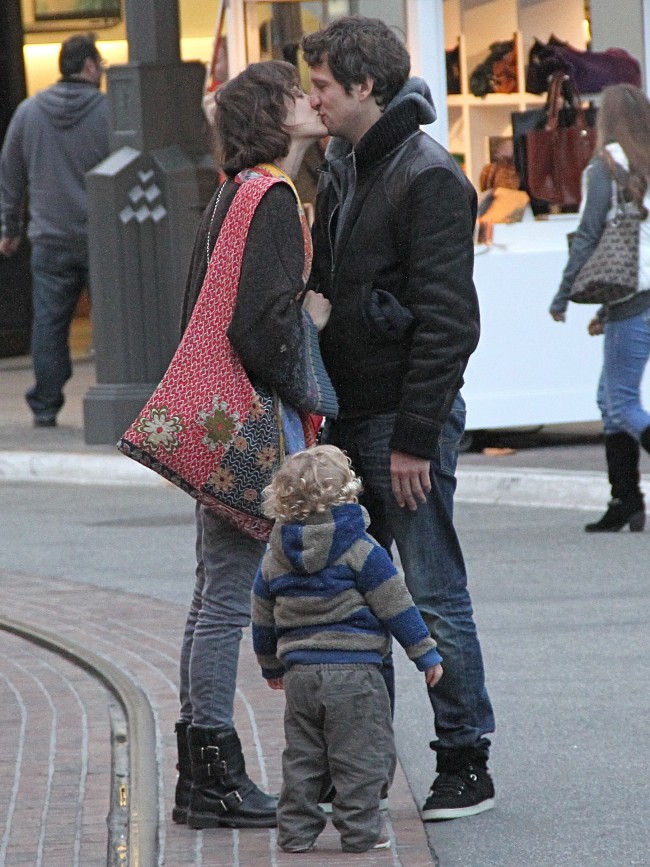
474	26
528	369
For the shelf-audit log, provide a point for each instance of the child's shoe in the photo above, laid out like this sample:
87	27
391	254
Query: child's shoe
382	843
297	850
384	840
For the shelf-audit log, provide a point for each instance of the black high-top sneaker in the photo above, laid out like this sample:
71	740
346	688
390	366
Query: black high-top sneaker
463	786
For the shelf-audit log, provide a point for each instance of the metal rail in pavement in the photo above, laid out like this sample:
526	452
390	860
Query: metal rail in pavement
141	795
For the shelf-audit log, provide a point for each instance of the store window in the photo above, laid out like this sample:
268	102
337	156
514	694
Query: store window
274	30
57	10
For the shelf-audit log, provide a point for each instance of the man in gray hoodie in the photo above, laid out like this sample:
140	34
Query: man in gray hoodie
53	140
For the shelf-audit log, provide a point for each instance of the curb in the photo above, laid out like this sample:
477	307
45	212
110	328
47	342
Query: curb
76	469
560	489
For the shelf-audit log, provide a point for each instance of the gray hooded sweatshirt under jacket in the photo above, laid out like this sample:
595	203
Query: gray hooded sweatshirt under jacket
54	138
341	154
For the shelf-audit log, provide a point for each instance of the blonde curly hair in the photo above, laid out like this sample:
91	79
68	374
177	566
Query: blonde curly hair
309	482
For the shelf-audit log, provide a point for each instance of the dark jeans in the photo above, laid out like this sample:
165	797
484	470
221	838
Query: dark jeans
58	276
433	565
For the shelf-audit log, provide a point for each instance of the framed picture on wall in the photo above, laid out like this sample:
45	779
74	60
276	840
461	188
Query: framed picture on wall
57	10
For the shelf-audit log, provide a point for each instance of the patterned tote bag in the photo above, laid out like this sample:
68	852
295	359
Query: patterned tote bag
611	273
205	428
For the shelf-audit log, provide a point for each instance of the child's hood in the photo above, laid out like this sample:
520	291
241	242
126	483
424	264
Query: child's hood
321	540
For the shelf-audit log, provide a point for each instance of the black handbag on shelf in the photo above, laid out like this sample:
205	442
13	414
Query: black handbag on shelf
452	62
591	70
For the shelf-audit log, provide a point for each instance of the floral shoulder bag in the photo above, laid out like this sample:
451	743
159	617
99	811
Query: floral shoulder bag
206	428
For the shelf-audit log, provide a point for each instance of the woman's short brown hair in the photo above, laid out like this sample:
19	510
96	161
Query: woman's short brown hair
250	113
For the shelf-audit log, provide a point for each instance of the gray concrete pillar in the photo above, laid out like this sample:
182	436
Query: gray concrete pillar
145	202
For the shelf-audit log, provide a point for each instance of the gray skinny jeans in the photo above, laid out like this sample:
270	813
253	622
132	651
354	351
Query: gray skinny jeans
227	561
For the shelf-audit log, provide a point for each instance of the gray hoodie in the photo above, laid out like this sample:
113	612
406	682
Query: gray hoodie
54	138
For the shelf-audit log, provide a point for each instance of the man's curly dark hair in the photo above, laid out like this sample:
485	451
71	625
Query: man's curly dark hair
358	48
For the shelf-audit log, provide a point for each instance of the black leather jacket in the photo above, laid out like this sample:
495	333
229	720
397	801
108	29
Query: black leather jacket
393	251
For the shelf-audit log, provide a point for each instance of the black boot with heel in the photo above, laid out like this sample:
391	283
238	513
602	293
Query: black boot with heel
184	768
645	439
626	506
222	794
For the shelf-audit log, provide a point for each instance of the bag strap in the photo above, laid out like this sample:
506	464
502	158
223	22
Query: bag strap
225	263
620	176
614	171
564	89
554	101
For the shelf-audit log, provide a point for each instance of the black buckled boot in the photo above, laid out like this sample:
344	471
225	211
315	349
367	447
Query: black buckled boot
645	439
222	794
184	768
626	506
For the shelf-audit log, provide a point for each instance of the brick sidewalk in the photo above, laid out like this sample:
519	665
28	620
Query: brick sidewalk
55	768
55	738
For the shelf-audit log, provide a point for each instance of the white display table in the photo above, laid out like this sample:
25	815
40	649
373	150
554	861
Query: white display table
528	369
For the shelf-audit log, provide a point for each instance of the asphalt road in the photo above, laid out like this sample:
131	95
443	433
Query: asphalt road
563	619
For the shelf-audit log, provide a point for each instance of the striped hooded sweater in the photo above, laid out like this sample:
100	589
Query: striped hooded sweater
326	592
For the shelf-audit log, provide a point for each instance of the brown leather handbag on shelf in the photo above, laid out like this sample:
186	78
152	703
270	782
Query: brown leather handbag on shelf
557	155
498	72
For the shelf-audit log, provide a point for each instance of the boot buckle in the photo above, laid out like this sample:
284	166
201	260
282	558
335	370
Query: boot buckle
231	801
221	769
210	753
215	767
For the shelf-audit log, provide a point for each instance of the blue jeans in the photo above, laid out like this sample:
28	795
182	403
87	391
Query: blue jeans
58	277
227	561
433	565
626	353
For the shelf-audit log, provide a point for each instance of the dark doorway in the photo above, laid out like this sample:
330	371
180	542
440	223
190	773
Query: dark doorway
15	277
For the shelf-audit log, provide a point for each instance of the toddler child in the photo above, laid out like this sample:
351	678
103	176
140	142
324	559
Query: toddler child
325	602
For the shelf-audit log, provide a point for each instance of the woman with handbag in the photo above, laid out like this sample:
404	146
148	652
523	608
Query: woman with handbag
264	125
617	181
